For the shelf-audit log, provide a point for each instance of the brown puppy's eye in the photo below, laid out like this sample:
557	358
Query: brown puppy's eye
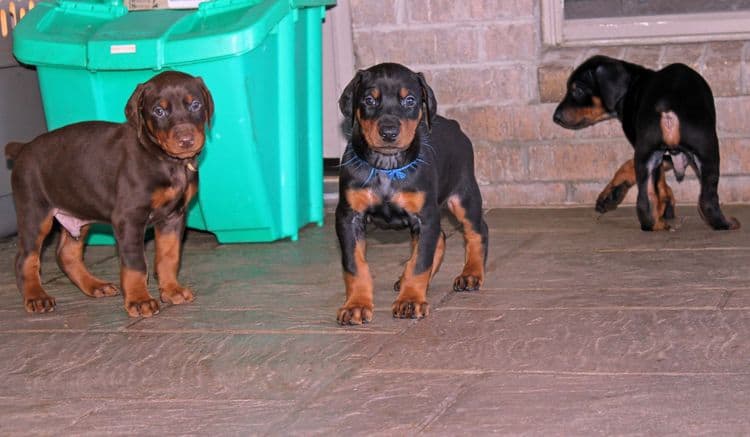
370	101
409	101
195	106
159	112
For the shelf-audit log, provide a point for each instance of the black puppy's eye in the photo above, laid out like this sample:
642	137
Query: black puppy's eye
577	93
195	106
409	101
370	100
159	112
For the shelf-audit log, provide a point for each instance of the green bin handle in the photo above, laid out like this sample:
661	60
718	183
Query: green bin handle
107	8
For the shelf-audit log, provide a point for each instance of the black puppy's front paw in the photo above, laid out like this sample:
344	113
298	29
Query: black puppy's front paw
610	198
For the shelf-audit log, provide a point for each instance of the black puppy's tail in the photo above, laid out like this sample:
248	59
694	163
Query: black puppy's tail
12	150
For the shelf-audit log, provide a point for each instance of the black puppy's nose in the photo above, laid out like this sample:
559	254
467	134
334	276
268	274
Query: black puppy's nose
389	132
558	117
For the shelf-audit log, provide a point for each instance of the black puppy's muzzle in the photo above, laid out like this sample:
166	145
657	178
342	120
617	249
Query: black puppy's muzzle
389	129
558	117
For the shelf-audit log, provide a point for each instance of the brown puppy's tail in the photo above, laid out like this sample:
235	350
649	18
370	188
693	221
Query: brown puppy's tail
12	150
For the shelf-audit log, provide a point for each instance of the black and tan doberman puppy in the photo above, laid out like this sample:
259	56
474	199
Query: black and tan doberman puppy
404	162
669	118
132	175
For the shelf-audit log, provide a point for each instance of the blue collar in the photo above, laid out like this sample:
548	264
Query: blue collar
398	174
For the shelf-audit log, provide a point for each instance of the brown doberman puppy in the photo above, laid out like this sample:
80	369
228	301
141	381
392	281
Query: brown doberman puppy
403	164
131	175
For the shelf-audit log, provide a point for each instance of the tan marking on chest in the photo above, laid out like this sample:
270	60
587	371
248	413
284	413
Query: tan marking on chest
410	201
163	196
361	199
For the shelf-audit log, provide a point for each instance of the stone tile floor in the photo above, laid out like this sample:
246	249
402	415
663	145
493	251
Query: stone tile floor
585	326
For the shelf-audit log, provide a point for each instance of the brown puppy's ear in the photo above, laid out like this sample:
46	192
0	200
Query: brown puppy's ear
208	100
428	98
347	104
133	108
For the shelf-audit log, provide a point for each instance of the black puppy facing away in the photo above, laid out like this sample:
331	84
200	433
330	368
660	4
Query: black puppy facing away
404	162
142	172
670	120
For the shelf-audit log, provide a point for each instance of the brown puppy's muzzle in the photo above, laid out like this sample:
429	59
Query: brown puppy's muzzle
182	141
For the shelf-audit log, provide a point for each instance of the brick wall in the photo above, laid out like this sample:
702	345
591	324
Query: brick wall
485	61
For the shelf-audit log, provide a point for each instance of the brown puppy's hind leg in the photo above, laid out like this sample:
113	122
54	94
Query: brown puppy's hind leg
31	237
70	260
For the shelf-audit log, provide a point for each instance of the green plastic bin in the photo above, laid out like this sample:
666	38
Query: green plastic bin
261	172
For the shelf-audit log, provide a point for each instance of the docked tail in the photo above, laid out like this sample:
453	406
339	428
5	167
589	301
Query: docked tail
12	150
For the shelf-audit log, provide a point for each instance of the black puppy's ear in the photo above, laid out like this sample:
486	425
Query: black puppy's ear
347	104
208	100
133	108
612	79
428	97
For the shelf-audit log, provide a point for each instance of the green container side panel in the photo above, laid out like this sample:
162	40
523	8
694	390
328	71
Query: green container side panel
310	118
261	173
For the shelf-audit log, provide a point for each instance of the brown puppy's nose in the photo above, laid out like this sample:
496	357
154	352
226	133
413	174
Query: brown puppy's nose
185	137
388	132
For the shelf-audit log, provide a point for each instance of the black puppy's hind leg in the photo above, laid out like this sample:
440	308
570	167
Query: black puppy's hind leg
650	204
708	202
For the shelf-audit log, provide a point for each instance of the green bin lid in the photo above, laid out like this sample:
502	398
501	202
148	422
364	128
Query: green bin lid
103	35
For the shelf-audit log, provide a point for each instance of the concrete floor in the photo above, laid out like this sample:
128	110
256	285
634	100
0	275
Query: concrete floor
584	327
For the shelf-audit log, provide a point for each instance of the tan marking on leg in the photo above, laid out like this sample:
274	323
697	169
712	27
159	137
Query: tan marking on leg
163	196
359	291
35	299
656	206
167	263
360	200
412	298
70	259
410	201
670	128
437	260
473	272
665	193
138	302
623	180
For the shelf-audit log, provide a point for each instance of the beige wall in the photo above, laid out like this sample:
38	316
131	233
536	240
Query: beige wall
486	63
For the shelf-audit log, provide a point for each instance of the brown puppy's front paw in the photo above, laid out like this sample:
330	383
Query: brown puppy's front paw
176	295
469	282
354	314
145	307
38	302
407	308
